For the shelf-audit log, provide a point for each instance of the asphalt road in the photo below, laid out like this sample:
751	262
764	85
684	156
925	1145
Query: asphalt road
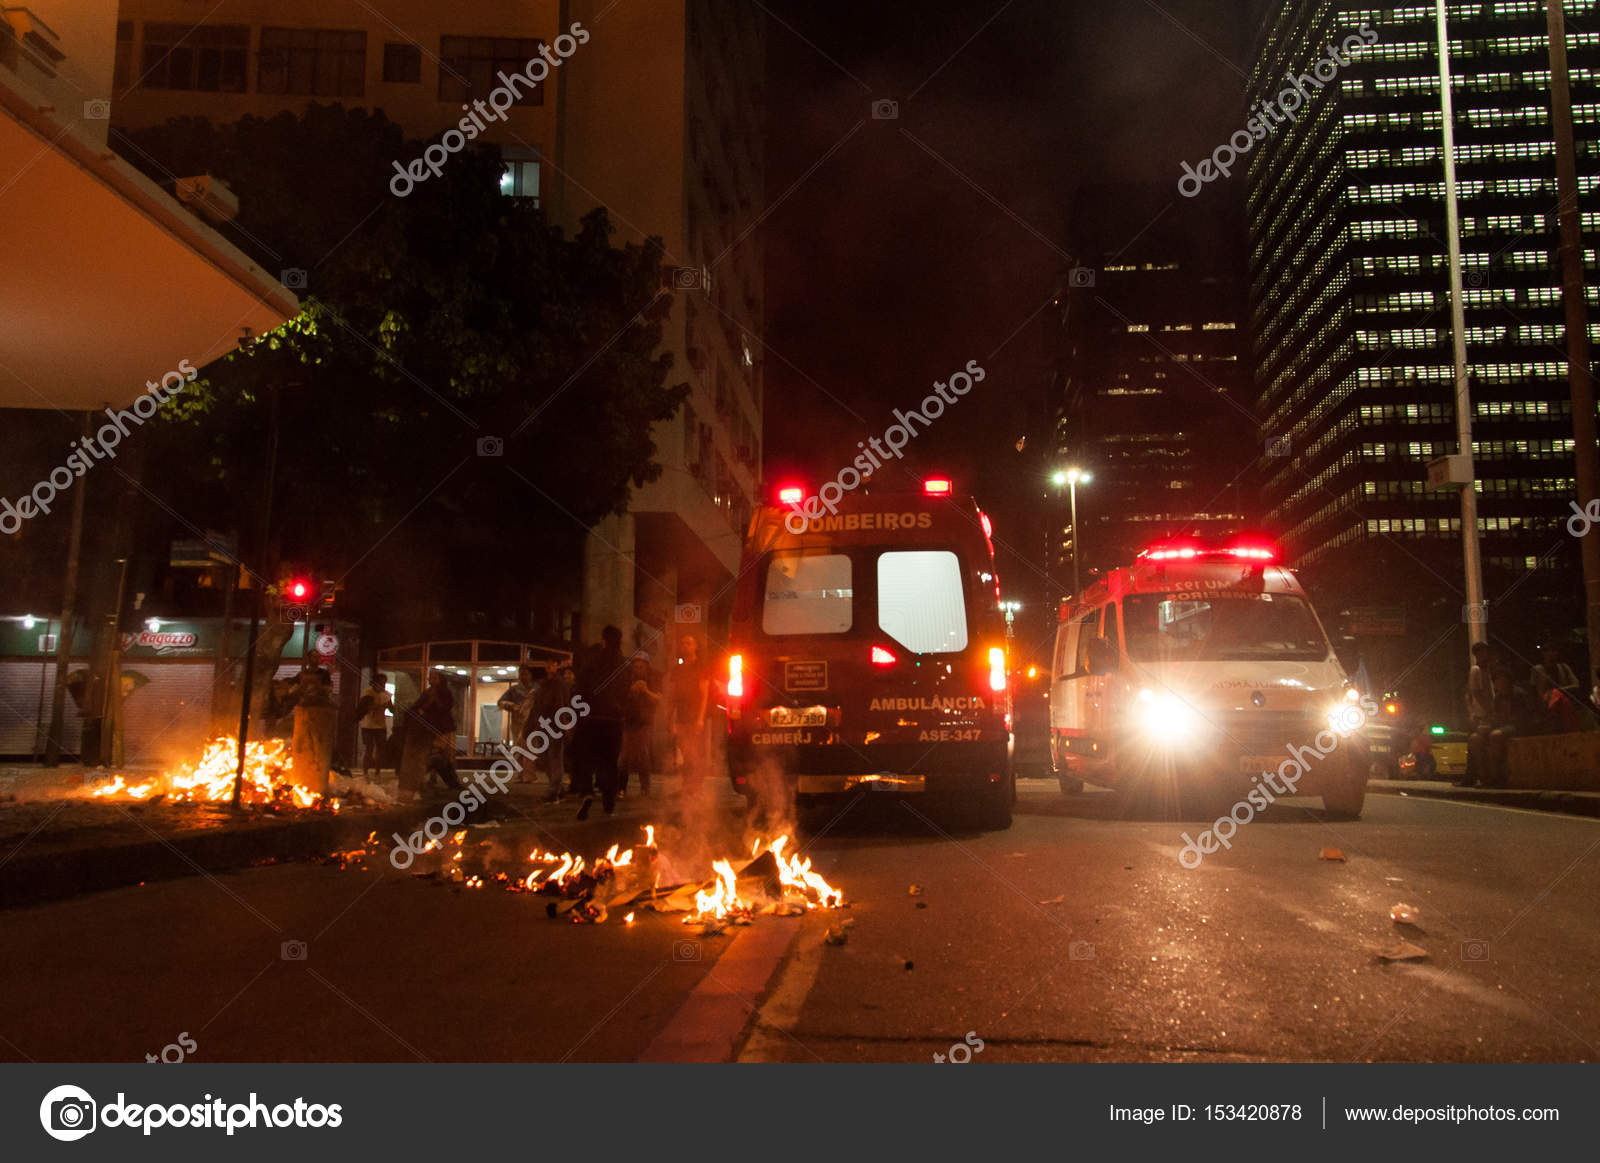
1075	935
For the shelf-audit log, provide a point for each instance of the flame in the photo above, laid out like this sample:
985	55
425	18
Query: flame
796	873
267	767
649	835
723	897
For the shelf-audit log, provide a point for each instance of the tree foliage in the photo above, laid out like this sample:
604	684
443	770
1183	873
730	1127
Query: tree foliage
465	391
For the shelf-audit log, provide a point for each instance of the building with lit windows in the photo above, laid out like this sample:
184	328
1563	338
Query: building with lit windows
1151	388
1349	300
656	116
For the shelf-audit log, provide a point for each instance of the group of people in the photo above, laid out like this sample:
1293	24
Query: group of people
619	701
1551	702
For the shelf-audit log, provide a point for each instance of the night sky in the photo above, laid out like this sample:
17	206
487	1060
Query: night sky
918	243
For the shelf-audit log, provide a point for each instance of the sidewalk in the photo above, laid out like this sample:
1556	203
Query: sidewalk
58	842
1575	803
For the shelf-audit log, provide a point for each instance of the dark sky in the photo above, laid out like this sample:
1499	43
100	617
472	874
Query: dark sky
909	246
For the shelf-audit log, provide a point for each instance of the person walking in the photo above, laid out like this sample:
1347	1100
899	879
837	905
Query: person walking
638	725
686	711
373	710
602	680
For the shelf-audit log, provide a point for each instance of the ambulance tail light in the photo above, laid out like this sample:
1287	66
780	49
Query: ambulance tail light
882	658
997	669
735	676
937	486
791	494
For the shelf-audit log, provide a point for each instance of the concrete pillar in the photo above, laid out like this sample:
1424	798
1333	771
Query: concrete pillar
608	579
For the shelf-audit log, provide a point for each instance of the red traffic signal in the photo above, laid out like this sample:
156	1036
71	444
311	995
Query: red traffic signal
299	589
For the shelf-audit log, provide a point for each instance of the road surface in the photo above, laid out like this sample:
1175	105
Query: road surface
1075	935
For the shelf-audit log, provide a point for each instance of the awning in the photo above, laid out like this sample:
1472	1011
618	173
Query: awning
106	280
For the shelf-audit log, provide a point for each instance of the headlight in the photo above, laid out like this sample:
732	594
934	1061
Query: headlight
1165	718
1346	718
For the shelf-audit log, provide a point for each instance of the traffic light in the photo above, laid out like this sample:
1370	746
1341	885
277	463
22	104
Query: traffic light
300	591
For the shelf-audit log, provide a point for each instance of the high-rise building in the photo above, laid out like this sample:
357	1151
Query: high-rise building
1349	296
654	114
1151	384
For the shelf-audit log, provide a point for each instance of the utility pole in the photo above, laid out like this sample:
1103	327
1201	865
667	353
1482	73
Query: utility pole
264	536
1477	618
1585	456
58	696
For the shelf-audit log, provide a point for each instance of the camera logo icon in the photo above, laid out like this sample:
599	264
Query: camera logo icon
691	278
1080	951
1081	277
292	614
686	612
1476	950
1477	278
67	1113
686	950
491	446
294	278
885	110
1277	446
294	950
1475	613
98	109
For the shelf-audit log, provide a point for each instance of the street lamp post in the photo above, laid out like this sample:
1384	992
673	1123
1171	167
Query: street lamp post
1070	477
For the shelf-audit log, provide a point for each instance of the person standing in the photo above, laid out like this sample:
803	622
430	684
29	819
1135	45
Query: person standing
430	741
602	680
686	711
638	725
517	705
552	695
373	710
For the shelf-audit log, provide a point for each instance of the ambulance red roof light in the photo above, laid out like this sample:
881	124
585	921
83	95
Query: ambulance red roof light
1251	552
791	494
937	486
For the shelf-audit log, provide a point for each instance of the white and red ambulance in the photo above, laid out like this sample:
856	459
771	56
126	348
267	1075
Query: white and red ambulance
1199	673
868	652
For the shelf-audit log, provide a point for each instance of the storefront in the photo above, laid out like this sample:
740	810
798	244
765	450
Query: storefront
478	671
168	679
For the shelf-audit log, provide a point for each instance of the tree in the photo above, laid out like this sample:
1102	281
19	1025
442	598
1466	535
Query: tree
464	393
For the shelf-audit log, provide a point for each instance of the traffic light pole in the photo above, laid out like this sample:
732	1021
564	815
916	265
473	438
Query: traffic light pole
262	540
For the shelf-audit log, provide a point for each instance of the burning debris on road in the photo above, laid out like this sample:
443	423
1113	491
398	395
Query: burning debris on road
268	781
629	879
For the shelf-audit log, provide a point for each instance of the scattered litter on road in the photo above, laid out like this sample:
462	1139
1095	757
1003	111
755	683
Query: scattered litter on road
922	904
910	965
836	937
915	890
1055	900
1404	914
1332	854
1403	951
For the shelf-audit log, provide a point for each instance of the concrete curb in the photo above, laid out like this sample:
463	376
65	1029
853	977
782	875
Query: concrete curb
60	875
1570	803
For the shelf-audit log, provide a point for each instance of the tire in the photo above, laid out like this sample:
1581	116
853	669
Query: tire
1345	801
1071	785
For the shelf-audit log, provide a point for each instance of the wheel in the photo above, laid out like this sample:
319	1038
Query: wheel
1071	785
1345	800
993	810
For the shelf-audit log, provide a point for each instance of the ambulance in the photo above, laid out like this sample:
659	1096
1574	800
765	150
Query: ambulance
1200	674
867	653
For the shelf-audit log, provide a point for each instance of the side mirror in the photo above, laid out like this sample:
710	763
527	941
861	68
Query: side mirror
1102	657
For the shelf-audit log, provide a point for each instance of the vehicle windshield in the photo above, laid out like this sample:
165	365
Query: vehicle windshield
1271	627
921	603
